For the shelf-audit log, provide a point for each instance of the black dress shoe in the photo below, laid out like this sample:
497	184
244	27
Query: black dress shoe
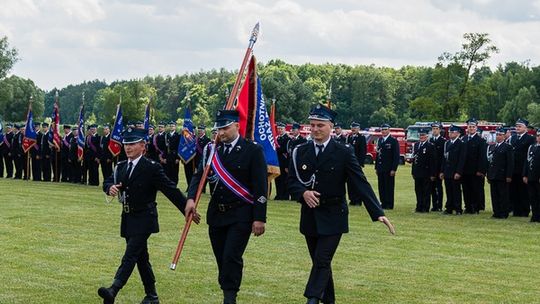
150	299
312	301
108	294
447	212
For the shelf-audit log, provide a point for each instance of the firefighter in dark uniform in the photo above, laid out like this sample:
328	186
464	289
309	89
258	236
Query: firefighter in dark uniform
474	169
436	186
75	164
5	150
296	138
17	152
282	193
233	217
386	166
46	152
424	171
172	140
64	155
318	171
151	151
339	136
136	182
91	155
531	177
452	170
105	155
35	153
358	142
519	202
500	158
202	141
161	145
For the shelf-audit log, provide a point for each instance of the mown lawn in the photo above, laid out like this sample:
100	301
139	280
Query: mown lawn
60	242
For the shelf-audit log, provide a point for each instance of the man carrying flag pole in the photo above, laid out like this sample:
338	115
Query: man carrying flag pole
55	140
115	143
30	138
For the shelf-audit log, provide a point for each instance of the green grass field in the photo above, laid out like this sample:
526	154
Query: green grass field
60	242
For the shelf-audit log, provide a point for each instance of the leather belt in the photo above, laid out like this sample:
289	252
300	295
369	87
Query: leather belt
331	200
229	206
128	208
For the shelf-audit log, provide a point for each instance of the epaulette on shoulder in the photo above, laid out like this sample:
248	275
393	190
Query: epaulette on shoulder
121	162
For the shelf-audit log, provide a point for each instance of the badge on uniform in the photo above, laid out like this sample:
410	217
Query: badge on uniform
261	200
304	167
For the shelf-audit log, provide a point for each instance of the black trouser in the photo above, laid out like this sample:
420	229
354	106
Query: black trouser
472	192
500	198
136	253
171	170
229	243
75	173
8	165
46	168
1	162
93	172
106	168
36	168
534	197
386	189
18	161
66	170
422	188
482	194
282	193
453	194
520	198
321	250
437	193
189	168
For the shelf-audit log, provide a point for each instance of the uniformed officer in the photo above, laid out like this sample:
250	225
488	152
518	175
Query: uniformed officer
474	169
500	158
452	170
45	152
296	138
172	164
318	171
436	186
531	177
151	151
282	193
202	141
136	182
339	136
35	153
160	144
105	155
386	166
5	151
233	216
358	143
91	155
520	142
64	156
75	164
19	157
424	171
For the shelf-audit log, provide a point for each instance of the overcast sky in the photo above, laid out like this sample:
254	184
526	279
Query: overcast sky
63	42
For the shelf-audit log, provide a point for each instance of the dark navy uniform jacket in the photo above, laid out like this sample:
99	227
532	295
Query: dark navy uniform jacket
246	163
454	158
283	154
476	157
520	146
501	161
387	154
439	150
531	169
424	160
335	165
358	143
140	193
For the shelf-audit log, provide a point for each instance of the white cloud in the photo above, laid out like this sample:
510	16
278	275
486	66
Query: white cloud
64	42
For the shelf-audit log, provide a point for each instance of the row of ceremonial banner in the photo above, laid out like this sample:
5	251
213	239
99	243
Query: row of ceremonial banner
255	124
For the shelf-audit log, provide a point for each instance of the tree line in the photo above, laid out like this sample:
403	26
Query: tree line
457	87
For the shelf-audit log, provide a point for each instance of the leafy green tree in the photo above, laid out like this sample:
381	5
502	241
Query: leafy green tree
518	106
15	93
8	57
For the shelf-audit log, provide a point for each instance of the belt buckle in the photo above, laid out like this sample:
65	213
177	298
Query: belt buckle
221	208
126	208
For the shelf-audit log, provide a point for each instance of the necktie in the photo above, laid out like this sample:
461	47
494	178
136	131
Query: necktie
227	149
319	150
129	168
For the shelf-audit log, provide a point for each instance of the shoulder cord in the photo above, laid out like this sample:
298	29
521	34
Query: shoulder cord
311	181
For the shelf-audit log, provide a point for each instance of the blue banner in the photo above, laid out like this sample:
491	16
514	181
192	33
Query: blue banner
262	133
115	144
147	121
1	133
188	142
30	135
